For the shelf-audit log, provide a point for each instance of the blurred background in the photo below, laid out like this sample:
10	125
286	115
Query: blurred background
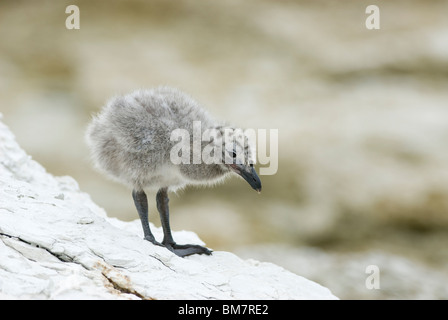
362	118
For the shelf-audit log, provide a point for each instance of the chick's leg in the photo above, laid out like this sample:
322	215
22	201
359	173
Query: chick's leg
141	203
181	250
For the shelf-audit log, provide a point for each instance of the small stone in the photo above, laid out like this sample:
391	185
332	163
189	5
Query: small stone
85	220
60	196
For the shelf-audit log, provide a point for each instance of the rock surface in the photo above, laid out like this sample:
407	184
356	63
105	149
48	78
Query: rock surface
55	243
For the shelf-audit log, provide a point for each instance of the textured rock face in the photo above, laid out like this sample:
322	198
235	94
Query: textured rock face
55	243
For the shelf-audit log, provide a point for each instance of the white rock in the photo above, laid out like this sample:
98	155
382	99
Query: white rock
55	243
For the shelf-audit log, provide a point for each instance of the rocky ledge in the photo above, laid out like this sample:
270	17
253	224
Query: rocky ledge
56	243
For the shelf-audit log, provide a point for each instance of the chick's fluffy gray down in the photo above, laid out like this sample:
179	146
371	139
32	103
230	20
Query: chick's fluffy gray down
130	139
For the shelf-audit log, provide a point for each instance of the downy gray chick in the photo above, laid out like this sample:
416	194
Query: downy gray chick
131	141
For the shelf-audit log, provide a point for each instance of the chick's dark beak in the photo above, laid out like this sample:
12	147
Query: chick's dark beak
249	174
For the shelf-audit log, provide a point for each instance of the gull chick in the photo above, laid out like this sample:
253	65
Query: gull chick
131	141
